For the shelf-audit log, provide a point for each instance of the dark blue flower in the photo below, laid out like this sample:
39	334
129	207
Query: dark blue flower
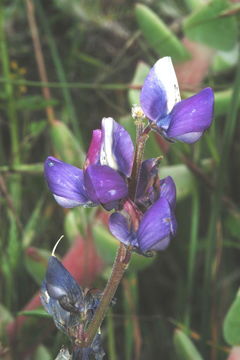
156	226
184	120
71	308
103	180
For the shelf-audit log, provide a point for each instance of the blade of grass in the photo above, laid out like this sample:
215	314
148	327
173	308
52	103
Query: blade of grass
74	85
133	337
22	168
111	337
192	253
72	116
31	227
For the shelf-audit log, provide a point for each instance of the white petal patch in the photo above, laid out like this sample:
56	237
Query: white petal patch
46	296
166	75
67	203
189	137
106	154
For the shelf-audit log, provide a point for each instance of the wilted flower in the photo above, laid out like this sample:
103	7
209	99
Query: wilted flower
103	179
154	228
71	308
184	120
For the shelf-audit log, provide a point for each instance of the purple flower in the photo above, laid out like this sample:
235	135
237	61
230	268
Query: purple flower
150	186
71	308
111	146
103	180
156	227
184	120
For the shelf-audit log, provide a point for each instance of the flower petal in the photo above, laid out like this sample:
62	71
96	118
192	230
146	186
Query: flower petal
157	224
119	227
93	155
117	148
148	183
161	245
191	117
103	184
168	190
148	172
65	182
59	282
160	90
60	316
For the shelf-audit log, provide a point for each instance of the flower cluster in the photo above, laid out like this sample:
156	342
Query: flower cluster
116	177
104	180
107	170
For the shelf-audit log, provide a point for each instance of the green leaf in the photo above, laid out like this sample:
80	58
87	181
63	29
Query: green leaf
42	353
231	324
107	245
184	347
232	222
66	145
158	35
225	60
183	177
208	26
37	127
40	312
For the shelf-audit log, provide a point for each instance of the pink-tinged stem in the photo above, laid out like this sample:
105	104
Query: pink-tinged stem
120	264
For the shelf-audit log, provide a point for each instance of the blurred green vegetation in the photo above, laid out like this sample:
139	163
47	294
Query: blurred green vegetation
65	64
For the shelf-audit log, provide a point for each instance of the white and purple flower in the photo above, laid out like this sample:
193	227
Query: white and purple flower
103	179
160	100
155	228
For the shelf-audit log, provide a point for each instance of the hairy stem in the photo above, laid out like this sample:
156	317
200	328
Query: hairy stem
120	265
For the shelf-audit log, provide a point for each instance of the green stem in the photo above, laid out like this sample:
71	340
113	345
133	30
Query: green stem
22	168
60	85
120	265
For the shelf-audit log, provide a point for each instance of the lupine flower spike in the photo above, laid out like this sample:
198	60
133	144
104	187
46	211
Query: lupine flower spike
118	178
160	99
